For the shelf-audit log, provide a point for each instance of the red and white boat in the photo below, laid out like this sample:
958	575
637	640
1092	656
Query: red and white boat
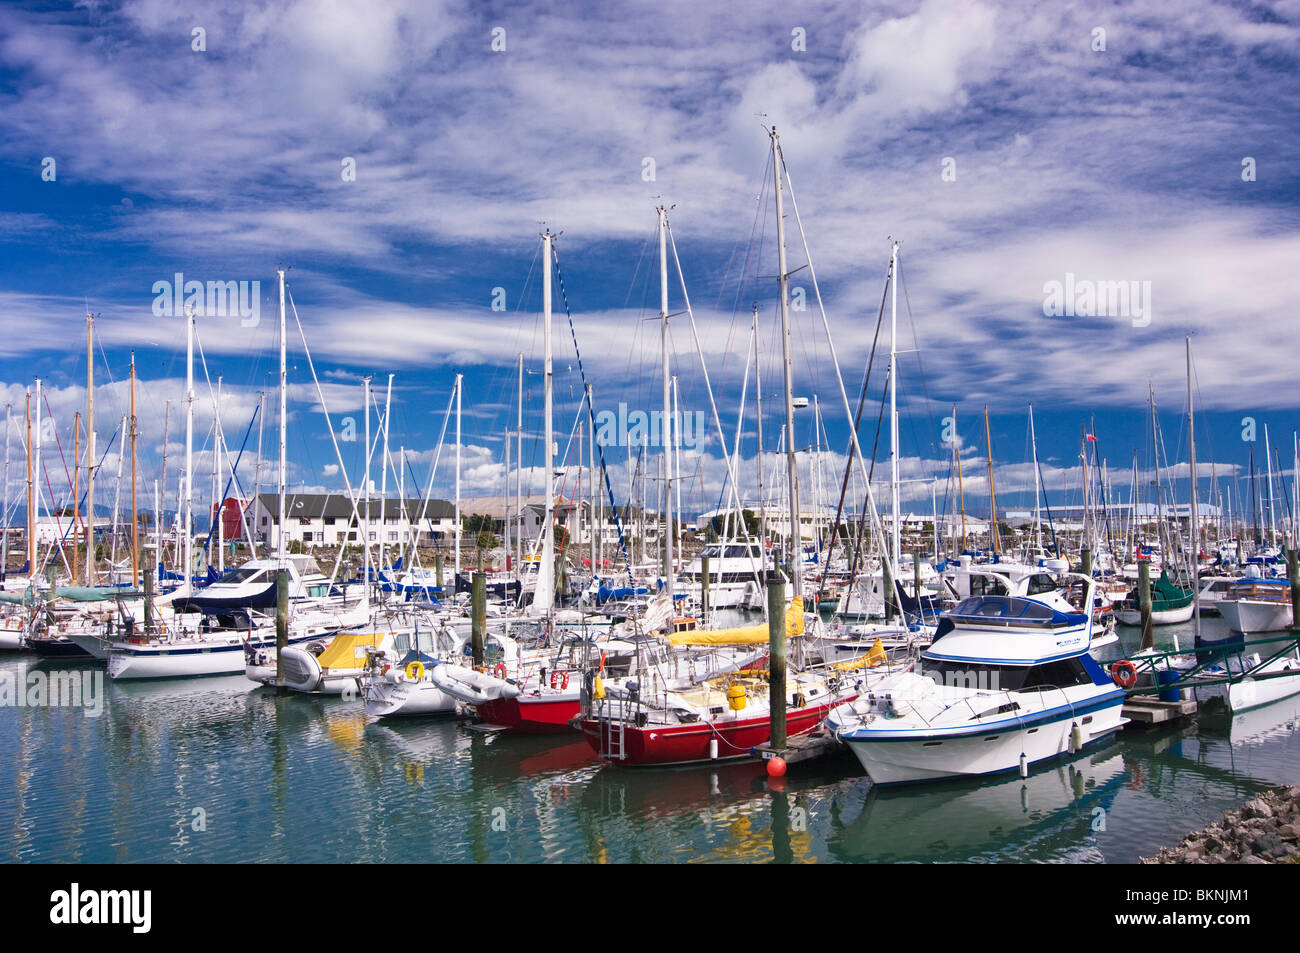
698	725
672	713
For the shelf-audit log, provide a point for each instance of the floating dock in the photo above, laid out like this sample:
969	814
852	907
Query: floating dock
817	744
1145	710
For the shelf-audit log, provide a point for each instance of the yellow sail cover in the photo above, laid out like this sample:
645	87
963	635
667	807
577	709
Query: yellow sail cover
347	650
742	635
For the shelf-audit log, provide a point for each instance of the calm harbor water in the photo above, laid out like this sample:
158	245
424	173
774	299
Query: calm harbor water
219	770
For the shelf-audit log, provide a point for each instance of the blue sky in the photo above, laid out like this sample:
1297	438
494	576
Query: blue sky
1169	157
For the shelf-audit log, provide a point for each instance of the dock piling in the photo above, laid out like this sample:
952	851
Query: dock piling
478	617
1144	603
704	588
777	652
1293	576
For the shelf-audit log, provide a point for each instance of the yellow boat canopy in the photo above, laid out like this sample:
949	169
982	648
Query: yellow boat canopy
742	635
348	650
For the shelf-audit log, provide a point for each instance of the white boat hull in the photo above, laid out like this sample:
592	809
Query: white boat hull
1164	617
934	758
402	699
1248	615
1253	692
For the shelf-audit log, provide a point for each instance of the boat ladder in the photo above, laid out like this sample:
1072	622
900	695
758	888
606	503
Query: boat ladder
612	738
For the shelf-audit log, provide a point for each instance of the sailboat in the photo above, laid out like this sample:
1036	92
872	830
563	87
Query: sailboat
1171	604
672	712
214	642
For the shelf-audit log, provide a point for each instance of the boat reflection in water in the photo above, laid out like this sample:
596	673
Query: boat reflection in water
987	818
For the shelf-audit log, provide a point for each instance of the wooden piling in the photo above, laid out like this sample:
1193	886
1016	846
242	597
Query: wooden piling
777	651
148	599
1144	602
704	588
478	617
1293	575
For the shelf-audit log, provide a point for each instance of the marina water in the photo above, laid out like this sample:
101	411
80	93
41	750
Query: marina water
221	770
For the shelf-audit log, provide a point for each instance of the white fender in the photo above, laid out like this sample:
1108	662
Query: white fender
471	687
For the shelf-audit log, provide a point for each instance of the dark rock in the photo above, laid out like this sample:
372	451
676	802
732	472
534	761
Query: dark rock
1266	843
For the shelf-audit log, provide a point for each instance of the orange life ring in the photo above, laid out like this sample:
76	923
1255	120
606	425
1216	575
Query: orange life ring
1124	673
500	671
559	680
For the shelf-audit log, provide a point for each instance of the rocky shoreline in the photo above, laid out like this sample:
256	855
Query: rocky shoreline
1265	831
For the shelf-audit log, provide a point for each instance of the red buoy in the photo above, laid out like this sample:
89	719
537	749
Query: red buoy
776	767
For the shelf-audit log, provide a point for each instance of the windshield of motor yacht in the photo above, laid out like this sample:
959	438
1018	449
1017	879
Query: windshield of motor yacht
1002	607
246	574
1062	673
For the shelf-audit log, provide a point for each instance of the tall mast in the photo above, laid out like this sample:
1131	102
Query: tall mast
37	483
677	475
135	525
383	476
189	445
219	530
158	513
4	544
1086	541
519	476
31	497
1038	487
758	453
90	450
594	528
667	429
961	486
1160	503
896	535
76	491
544	593
795	550
257	471
157	528
365	385
1132	505
506	507
993	495
1195	532
1268	469
284	418
459	379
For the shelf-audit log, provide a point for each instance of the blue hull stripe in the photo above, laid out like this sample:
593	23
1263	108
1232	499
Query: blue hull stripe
1048	716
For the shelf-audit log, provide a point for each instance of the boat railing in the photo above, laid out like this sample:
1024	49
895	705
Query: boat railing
1211	657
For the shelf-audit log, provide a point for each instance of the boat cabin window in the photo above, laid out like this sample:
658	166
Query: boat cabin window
713	552
987	586
1041	582
242	575
1003	607
1012	678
